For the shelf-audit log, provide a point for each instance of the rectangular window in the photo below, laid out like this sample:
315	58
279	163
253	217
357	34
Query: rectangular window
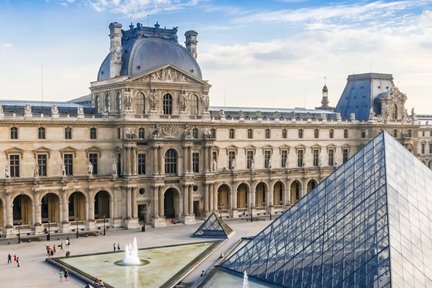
14	133
68	164
300	154
267	159
231	133
195	162
231	159
249	159
363	133
119	133
345	133
93	159
430	148
345	155
423	148
284	133
14	163
284	158
41	133
68	133
331	157
250	133
267	133
141	164
315	157
42	164
118	157
93	134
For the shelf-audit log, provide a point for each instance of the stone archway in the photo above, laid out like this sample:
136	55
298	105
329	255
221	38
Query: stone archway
311	185
242	194
50	208
171	203
22	210
102	205
278	191
295	192
77	206
260	195
223	197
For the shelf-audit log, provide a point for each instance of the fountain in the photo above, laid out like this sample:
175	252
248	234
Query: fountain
131	254
245	280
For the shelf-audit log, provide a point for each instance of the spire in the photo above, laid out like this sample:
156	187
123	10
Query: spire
325	101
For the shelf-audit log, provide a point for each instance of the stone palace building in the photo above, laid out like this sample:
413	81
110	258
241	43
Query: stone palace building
146	146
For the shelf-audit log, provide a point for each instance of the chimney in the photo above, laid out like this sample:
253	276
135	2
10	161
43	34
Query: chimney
115	49
191	42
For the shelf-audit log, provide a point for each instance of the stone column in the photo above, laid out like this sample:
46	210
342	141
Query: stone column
128	202
186	199
134	203
189	159
206	198
185	159
253	194
209	159
215	199
155	201
205	159
37	208
91	204
161	202
9	211
270	199
65	208
190	200
211	197
161	162
155	161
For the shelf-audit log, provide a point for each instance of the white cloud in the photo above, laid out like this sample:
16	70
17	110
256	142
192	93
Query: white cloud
6	45
140	8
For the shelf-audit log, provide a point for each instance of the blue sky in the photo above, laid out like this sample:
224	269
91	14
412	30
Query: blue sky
250	51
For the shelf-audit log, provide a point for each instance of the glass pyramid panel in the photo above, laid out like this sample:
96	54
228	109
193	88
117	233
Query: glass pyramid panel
213	227
335	236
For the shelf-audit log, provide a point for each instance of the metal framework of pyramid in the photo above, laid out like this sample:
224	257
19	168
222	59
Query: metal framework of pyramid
369	224
213	227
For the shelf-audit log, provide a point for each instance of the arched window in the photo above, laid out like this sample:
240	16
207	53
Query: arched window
141	133
395	133
171	161
41	133
140	104
14	133
300	133
316	133
195	133
331	133
167	104
107	103
395	112
194	105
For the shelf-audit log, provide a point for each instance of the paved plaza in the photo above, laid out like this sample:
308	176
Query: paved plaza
35	272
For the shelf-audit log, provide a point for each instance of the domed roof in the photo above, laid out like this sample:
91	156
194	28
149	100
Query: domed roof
145	52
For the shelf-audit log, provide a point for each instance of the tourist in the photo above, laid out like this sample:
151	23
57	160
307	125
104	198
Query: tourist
118	246
114	247
67	241
202	273
15	258
9	259
66	274
61	274
18	262
67	253
61	246
54	249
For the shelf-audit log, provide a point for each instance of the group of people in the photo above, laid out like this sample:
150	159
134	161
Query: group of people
116	247
16	259
64	273
99	283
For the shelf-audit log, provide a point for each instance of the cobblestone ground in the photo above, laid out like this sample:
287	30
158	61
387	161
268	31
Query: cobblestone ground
35	272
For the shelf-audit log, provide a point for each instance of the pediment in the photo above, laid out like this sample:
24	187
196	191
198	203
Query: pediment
14	150
168	74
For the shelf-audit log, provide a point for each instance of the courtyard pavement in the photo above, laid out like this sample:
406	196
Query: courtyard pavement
35	272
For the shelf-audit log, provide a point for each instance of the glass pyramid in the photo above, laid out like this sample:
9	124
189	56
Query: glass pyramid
213	227
369	224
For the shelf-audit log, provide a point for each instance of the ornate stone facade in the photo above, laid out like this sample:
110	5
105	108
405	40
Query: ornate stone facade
150	147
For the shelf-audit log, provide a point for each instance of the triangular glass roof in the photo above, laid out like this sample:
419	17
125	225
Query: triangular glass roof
369	224
213	227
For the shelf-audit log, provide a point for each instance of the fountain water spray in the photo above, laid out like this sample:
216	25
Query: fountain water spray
131	254
245	280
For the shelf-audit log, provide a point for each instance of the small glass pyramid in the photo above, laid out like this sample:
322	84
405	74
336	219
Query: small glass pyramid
369	224
213	227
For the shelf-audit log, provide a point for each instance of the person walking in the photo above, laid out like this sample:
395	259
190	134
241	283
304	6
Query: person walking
114	247
66	274
61	246
118	246
15	258
61	274
18	262
9	258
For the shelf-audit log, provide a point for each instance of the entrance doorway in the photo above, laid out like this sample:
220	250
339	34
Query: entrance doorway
171	203
196	209
142	211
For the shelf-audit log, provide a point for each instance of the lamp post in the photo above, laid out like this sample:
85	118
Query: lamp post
220	210
251	209
49	231
19	232
270	206
104	226
76	220
144	222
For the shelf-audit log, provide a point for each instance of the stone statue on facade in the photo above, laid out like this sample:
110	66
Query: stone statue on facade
7	173
36	170
54	109
27	109
205	100
154	101
214	164
252	166
270	163
114	169
233	164
80	111
127	100
63	170
157	131
183	101
221	113
90	169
